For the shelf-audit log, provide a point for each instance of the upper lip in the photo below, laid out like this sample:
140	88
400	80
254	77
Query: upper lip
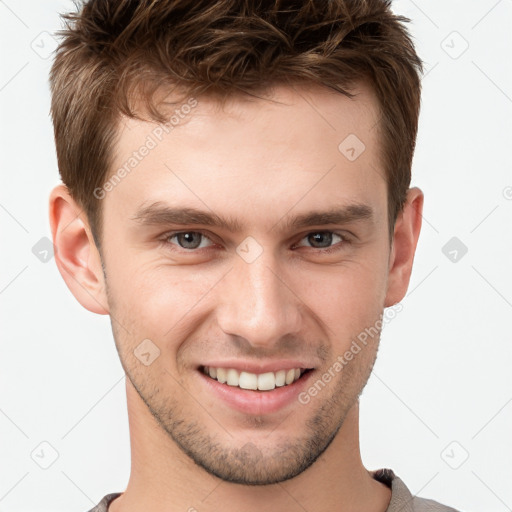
260	366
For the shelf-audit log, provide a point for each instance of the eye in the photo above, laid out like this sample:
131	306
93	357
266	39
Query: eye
324	240
187	239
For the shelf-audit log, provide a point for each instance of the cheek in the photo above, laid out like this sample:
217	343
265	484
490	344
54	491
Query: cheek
348	298
157	301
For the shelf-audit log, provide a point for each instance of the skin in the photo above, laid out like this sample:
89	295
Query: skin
259	162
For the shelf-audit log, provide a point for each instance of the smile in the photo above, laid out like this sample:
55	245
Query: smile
256	387
257	382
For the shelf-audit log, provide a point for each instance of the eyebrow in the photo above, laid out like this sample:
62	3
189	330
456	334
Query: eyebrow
160	214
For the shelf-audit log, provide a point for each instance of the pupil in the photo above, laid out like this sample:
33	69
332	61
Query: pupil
186	240
326	238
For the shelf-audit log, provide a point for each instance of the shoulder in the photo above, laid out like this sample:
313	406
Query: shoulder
102	506
401	498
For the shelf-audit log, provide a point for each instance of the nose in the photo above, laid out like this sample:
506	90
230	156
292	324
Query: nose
258	303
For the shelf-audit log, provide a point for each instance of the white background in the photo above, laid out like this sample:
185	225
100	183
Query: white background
441	389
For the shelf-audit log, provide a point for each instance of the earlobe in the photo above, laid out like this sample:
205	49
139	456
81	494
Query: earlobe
405	239
76	255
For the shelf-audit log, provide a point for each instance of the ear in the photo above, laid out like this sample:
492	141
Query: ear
76	255
405	238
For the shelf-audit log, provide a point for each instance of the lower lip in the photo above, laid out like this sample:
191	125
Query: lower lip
257	402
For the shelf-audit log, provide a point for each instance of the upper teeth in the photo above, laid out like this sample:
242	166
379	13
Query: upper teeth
247	380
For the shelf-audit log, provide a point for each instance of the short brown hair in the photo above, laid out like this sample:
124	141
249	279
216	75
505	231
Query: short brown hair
112	49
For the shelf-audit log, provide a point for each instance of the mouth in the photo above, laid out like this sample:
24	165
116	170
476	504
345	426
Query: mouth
256	387
264	382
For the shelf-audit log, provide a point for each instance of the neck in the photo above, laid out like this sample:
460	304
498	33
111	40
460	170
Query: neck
163	478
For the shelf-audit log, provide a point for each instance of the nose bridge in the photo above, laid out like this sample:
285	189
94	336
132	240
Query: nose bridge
257	303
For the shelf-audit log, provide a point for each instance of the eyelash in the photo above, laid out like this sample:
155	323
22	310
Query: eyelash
344	240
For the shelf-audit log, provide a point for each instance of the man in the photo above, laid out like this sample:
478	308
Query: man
236	197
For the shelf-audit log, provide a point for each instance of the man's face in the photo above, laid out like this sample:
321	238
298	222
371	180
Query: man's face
263	293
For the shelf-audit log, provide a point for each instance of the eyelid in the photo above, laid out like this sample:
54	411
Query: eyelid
345	239
169	234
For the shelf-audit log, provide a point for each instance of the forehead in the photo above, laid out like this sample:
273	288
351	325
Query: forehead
296	144
305	113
